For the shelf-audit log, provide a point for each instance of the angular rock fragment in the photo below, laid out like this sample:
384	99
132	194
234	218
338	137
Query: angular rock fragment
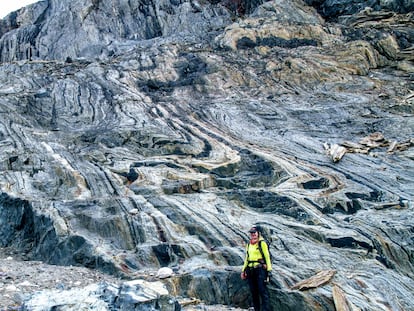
164	273
319	279
374	140
340	300
335	151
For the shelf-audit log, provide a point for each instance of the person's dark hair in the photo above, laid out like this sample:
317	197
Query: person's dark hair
254	229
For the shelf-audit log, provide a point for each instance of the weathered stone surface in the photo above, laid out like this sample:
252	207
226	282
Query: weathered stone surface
54	30
333	9
320	279
132	295
135	136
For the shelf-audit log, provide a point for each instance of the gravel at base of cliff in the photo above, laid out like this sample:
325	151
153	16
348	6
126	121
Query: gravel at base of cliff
19	278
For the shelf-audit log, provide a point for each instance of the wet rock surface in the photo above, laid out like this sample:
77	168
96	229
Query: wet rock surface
156	138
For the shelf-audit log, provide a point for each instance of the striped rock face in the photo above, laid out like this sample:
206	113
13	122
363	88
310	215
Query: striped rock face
136	136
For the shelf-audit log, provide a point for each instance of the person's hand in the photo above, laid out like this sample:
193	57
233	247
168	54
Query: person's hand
243	275
269	274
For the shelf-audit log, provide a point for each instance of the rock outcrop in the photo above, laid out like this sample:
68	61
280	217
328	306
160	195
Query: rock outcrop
132	295
140	135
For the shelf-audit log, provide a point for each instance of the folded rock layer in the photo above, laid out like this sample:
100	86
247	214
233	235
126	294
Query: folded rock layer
140	135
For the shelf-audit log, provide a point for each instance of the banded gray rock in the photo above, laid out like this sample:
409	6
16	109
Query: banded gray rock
222	119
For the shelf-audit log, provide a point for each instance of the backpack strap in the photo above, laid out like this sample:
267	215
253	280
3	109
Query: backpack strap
261	250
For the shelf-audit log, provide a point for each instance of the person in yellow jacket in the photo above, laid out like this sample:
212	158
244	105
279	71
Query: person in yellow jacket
256	269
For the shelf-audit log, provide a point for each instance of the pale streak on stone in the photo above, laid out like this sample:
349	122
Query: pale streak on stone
342	303
392	146
59	223
339	298
84	193
188	301
150	290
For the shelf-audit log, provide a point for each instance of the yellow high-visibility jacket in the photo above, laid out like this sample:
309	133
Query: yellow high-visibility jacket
253	255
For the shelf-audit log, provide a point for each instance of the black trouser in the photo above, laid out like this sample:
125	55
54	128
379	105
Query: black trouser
258	288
